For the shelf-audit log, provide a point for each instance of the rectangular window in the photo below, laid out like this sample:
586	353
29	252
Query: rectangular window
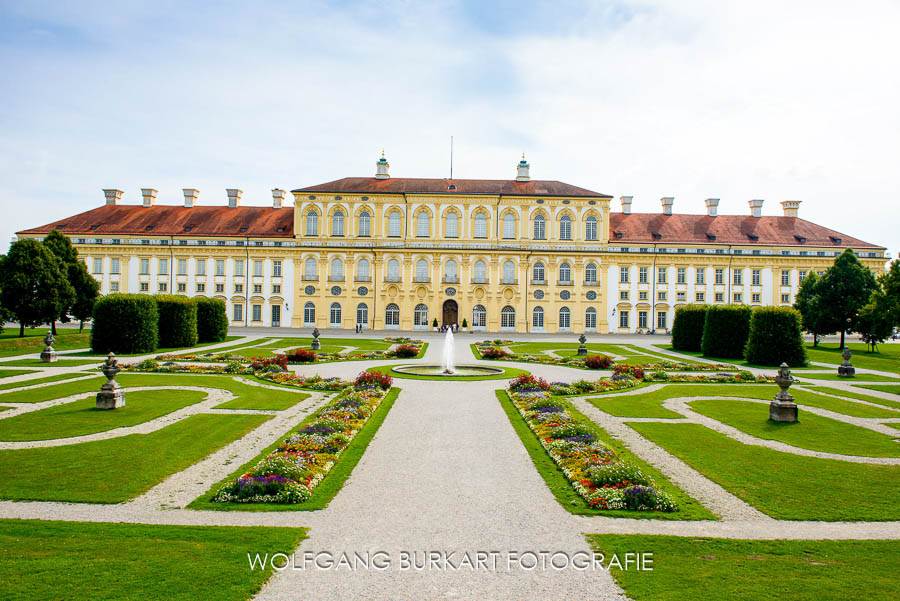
276	288
276	269
757	277
480	226
660	296
237	313
642	320
145	266
623	295
801	275
163	267
785	299
98	265
220	288
257	288
785	277
642	275
720	276
114	286
701	277
682	275
661	275
700	297
623	319
681	296
643	295
738	277
257	313
738	298
755	297
257	268
201	267
509	227
163	287
182	287
145	287
623	275
661	320
114	266
182	266
239	267
220	267
238	288
720	296
201	288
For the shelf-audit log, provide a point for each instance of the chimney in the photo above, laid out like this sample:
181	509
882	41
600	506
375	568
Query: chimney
149	195
112	196
277	198
522	170
190	197
667	202
382	168
234	197
756	207
790	207
626	204
712	206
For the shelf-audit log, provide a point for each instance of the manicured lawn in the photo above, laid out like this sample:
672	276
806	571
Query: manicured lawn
199	348
889	389
254	397
860	377
840	405
99	562
886	359
117	469
34	381
782	485
855	395
328	488
691	568
63	362
738	362
508	373
10	373
689	509
82	417
56	391
812	432
33	342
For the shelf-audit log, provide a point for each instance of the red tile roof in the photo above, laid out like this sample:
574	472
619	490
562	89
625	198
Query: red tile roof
727	229
165	220
400	185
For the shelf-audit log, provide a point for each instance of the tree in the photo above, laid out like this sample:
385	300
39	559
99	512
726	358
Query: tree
4	314
890	285
33	284
845	288
85	288
807	303
874	322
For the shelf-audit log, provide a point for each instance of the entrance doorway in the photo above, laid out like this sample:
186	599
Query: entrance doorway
450	313
276	316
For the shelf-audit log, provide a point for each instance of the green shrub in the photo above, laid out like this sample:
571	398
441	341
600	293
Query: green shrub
775	337
725	331
177	321
687	329
125	323
212	319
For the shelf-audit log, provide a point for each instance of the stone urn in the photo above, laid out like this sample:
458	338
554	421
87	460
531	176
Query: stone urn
316	345
582	350
111	395
845	370
48	355
783	408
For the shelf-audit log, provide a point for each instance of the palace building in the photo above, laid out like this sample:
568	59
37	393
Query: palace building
516	255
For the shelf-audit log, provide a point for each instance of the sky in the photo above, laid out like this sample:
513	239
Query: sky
794	100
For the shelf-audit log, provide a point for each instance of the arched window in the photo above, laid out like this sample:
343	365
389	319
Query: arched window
420	316
452	230
337	223
312	223
509	272
508	317
422	271
309	315
537	318
537	273
451	275
337	270
479	316
480	272
362	314
422	224
395	229
362	270
392	315
590	228
365	228
590	273
540	232
480	225
310	267
393	270
590	318
565	272
509	225
565	321
334	319
565	228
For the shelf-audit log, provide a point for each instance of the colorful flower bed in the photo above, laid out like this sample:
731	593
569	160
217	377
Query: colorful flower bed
292	471
405	348
595	471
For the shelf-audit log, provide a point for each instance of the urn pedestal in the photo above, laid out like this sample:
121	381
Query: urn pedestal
582	350
48	355
111	395
845	369
783	408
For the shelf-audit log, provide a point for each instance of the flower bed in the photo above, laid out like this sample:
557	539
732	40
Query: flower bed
595	471
291	472
406	348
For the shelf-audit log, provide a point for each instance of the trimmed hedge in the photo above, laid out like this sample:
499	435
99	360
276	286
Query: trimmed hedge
775	337
725	331
177	321
687	329
125	324
212	319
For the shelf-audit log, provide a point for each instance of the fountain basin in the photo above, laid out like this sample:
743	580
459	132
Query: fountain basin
460	371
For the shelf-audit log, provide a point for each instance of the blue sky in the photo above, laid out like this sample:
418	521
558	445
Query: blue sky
687	98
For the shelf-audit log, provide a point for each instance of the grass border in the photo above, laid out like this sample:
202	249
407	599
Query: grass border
508	373
330	486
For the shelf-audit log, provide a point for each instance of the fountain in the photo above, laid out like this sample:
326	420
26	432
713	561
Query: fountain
448	359
448	367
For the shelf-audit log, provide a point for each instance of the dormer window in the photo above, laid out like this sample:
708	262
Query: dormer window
451	187
149	227
657	236
188	228
243	229
753	237
710	236
618	235
61	226
800	239
93	227
834	239
279	230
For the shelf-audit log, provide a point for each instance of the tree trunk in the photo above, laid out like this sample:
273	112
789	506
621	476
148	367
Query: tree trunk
815	340
842	339
80	326
21	330
53	327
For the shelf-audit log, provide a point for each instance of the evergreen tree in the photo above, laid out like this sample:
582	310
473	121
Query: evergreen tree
33	284
807	303
85	288
844	289
890	285
874	322
4	314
